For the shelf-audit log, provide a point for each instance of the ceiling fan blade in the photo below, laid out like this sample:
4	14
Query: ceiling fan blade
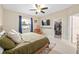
33	9
42	11
44	8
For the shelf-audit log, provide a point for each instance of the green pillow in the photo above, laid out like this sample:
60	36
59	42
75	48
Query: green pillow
6	42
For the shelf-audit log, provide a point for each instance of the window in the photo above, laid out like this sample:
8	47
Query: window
26	25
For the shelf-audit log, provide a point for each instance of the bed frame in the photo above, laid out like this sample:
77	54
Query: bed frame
42	49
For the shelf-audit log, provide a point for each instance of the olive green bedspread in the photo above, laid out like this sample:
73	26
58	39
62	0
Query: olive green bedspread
30	48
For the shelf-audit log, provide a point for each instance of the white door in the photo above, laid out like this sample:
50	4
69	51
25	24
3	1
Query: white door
75	28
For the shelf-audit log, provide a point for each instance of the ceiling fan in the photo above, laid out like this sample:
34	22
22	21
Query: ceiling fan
39	8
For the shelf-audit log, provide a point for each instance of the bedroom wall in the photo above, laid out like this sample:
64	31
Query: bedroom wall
11	19
1	16
1	12
64	15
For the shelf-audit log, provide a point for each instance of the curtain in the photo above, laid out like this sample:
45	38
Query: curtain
20	24
31	30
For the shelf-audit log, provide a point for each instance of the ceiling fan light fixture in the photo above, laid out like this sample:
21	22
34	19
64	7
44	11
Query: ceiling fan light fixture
38	10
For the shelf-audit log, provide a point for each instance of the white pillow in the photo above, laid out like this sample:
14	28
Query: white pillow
16	36
2	33
1	50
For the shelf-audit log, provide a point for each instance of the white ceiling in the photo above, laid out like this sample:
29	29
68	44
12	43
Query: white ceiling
25	8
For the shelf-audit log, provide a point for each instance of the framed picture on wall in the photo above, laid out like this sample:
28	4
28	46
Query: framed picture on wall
58	29
46	22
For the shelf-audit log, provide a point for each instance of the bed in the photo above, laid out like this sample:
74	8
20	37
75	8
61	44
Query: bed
31	46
